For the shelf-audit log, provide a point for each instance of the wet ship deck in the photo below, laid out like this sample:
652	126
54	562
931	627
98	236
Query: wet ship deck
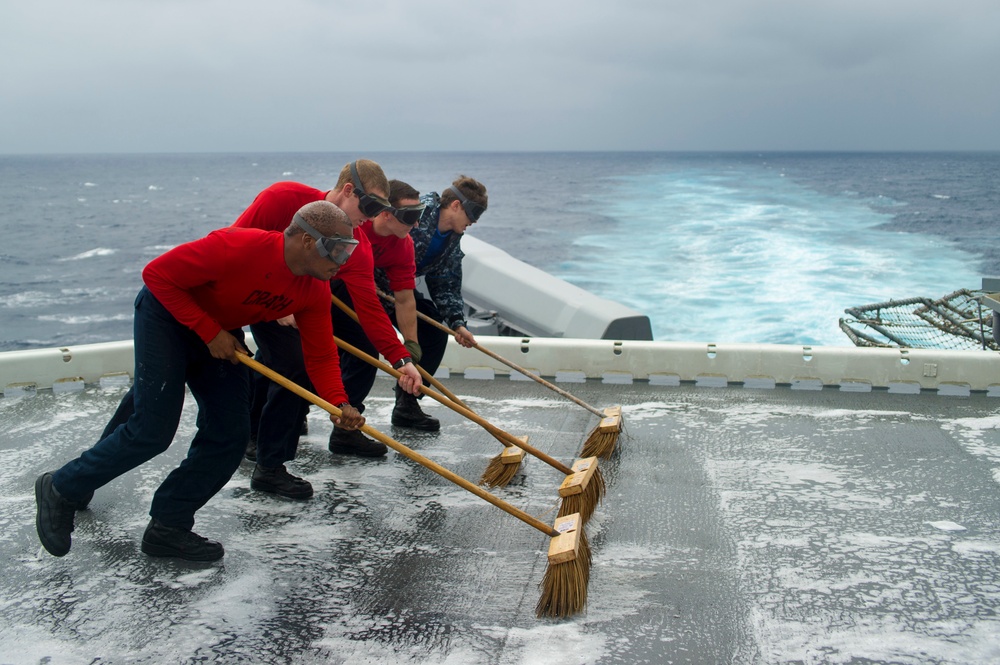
740	525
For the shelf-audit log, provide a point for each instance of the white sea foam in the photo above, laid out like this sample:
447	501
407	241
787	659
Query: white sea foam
753	258
77	320
875	563
649	410
978	436
90	253
27	299
977	548
567	644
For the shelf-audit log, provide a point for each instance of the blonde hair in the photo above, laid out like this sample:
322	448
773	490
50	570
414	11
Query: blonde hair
372	177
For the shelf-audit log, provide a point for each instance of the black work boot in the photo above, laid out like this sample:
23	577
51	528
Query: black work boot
84	503
162	540
353	442
251	452
407	413
279	481
54	517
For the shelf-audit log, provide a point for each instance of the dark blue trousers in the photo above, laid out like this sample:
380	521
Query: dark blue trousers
168	356
359	376
276	413
433	342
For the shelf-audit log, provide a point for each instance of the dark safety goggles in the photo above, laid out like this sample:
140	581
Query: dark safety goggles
370	205
472	209
408	215
336	248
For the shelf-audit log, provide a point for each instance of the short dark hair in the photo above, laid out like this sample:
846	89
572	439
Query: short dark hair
399	190
471	188
325	217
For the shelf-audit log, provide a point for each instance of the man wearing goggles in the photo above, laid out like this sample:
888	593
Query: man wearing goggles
437	237
189	319
337	249
369	204
409	211
277	415
473	210
392	250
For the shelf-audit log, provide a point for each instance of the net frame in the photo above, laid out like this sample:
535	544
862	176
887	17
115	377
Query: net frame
957	321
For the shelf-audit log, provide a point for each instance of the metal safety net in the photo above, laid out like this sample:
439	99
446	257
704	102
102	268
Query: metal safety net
957	321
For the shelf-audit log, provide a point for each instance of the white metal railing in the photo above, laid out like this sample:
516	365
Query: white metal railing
569	360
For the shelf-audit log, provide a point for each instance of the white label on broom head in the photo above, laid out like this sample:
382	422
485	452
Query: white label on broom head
565	525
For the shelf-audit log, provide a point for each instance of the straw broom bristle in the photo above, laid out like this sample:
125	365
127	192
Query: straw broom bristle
599	444
498	474
564	585
602	439
585	502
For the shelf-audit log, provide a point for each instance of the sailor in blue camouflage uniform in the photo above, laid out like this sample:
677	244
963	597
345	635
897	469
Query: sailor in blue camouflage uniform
437	239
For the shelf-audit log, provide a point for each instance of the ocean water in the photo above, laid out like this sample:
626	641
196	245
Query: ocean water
742	247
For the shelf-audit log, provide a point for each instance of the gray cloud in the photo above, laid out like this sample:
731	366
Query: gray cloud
182	75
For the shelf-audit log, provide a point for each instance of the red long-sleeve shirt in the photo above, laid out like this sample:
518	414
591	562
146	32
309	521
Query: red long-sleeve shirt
273	210
394	256
234	277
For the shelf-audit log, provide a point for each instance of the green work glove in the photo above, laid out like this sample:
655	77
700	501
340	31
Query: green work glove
414	349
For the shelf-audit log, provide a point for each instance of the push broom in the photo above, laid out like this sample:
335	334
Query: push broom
602	439
583	486
564	585
502	468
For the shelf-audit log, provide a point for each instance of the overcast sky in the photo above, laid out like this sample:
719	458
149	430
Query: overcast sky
331	75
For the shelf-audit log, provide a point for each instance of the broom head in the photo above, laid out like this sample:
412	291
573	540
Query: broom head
503	467
564	586
602	439
583	489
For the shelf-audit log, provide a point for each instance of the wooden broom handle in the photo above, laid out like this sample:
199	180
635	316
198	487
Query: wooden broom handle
400	448
508	363
506	437
423	373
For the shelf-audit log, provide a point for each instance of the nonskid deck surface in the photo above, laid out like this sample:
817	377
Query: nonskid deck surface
745	526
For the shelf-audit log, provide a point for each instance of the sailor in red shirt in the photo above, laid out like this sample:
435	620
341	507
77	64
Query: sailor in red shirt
277	414
188	330
392	251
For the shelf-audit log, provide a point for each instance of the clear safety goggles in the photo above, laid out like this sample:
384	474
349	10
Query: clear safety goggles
335	248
